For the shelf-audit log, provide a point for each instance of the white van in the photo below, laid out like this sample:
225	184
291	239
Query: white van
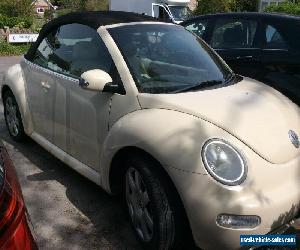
167	10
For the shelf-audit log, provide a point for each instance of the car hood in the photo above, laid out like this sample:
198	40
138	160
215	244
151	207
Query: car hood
253	112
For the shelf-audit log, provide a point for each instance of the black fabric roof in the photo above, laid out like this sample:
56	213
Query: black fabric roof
94	19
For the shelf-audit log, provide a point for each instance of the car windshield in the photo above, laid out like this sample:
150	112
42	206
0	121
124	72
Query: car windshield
166	58
180	13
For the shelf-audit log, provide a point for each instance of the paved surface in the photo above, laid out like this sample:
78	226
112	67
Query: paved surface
67	210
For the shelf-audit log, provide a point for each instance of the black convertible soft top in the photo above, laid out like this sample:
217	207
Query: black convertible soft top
94	19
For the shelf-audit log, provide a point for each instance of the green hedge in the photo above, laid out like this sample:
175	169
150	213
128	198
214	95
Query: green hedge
287	8
7	49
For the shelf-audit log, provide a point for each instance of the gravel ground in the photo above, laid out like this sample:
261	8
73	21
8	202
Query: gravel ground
67	210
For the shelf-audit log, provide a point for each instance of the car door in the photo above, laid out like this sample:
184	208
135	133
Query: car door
235	39
80	116
281	57
41	91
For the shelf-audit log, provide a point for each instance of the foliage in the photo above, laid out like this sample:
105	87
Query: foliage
16	8
16	13
37	24
81	5
219	6
25	21
287	8
49	14
7	49
244	5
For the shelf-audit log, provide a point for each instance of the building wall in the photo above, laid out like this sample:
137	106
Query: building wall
193	4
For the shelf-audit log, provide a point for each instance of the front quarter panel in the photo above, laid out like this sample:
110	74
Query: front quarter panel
14	79
175	139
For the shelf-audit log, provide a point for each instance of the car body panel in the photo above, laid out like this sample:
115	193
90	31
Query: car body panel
246	110
15	223
128	102
265	195
174	131
40	91
15	81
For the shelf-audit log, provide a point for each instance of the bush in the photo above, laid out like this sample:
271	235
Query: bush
7	49
15	8
81	5
286	8
219	6
25	21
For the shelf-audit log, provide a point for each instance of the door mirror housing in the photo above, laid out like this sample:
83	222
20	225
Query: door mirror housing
95	79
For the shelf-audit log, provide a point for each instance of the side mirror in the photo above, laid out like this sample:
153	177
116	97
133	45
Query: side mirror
95	79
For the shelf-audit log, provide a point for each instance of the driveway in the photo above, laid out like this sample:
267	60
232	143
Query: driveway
67	210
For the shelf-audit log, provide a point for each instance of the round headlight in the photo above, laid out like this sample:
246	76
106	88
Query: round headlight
223	162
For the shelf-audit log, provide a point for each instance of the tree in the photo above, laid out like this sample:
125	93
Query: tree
287	8
219	6
81	5
244	5
212	6
15	8
17	13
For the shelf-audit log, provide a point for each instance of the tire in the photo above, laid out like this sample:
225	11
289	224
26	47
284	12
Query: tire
13	117
146	198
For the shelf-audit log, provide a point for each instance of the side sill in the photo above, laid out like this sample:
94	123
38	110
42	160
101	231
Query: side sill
81	168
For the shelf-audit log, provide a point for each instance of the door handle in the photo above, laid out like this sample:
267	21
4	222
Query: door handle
46	86
244	57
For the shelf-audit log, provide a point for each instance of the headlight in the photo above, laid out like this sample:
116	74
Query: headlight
223	162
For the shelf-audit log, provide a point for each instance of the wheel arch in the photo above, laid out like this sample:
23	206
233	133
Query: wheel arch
117	172
14	81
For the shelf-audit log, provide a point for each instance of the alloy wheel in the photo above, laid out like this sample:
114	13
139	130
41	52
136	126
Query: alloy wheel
12	120
138	203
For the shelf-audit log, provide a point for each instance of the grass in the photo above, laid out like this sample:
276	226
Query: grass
7	49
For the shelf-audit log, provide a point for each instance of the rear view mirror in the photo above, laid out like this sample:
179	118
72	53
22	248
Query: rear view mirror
95	79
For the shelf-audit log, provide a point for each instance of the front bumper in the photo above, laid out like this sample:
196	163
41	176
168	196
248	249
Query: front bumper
270	191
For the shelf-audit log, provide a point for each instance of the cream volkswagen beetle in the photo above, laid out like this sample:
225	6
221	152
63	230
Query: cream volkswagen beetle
147	109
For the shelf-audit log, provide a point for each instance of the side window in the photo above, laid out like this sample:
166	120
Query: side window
274	40
73	49
198	27
233	33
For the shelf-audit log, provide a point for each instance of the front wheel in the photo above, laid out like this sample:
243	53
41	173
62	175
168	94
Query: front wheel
13	117
150	209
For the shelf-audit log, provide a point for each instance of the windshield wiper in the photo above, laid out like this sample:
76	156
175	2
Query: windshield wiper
200	85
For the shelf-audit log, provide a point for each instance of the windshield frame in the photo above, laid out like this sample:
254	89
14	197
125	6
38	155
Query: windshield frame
219	62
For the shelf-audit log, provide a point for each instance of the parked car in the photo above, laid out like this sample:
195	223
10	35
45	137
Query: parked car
265	47
15	233
148	110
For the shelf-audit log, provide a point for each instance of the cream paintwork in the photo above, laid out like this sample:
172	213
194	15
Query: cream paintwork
96	79
256	114
67	159
14	79
174	128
